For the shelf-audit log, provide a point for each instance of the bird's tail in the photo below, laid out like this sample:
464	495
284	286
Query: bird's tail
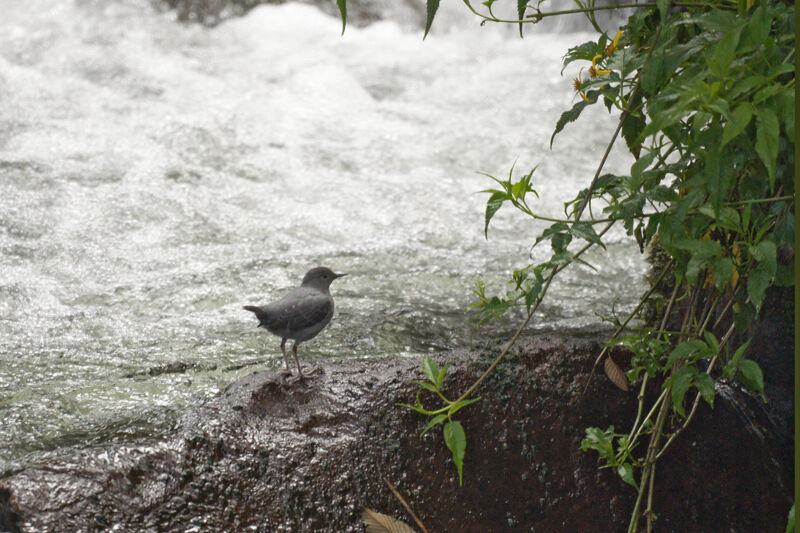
258	311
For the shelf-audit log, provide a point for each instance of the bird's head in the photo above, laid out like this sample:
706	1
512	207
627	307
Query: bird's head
320	277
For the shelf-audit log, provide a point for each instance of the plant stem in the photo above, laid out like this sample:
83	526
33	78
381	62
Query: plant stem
633	313
533	309
405	504
536	17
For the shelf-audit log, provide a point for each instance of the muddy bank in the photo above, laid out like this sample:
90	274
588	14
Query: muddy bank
268	456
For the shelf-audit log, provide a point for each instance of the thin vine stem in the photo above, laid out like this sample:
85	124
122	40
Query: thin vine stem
533	18
533	309
621	328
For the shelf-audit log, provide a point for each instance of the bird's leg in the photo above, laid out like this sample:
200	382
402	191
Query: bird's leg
296	360
299	368
286	372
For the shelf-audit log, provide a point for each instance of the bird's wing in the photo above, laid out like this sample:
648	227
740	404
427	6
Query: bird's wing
301	310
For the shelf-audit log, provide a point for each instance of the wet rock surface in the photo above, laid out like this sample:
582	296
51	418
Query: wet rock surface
267	455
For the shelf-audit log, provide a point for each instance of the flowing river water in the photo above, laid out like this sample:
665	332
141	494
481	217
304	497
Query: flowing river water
155	177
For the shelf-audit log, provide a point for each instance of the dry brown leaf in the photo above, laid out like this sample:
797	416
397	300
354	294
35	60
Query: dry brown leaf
381	523
615	374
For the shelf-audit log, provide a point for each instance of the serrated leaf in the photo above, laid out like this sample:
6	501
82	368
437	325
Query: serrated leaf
740	118
641	164
723	53
723	271
680	383
712	342
343	11
494	203
705	386
767	141
615	374
752	376
380	523
456	441
569	116
436	420
757	283
430	368
682	351
522	5
765	253
427	386
441	374
431	7
586	231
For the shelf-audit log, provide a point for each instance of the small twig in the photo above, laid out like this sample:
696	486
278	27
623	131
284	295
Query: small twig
405	504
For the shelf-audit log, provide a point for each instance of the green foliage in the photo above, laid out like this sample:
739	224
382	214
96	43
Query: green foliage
453	431
706	97
615	456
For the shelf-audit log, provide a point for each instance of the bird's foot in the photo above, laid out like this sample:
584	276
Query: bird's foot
316	372
285	373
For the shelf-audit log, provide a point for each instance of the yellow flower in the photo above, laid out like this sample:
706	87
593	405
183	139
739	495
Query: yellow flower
594	71
611	48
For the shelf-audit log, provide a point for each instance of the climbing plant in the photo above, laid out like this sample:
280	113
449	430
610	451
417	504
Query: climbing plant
703	96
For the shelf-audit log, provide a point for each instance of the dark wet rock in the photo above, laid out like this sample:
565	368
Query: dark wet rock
359	12
268	456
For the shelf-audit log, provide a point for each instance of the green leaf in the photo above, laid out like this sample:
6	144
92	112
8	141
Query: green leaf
682	351
767	141
756	31
663	6
641	164
431	6
713	343
456	441
705	386
343	11
723	53
521	6
435	421
427	386
752	376
737	355
441	374
495	202
430	368
625	471
586	231
567	117
680	382
740	118
599	440
757	283
723	271
766	255
790	521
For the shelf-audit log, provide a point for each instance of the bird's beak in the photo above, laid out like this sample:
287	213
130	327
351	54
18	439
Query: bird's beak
339	275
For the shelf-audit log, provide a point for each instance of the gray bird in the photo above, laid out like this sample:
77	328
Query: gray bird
302	313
